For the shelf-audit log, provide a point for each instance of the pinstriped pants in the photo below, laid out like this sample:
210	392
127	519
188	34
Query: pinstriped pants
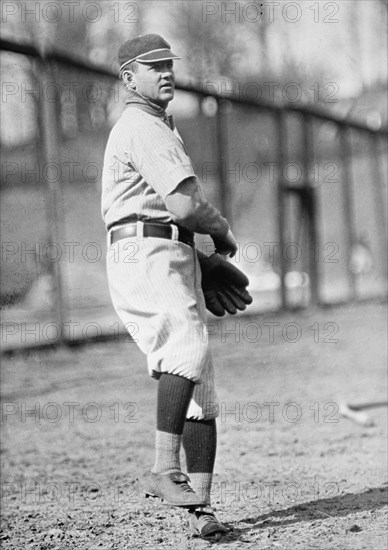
155	286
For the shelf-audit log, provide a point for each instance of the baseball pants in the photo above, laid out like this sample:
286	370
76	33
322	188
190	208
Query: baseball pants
155	285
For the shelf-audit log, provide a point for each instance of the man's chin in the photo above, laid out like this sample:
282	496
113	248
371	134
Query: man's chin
166	96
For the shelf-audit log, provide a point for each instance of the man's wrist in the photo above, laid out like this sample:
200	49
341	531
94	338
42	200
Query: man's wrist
201	255
221	231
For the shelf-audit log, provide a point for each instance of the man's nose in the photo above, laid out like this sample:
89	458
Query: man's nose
168	71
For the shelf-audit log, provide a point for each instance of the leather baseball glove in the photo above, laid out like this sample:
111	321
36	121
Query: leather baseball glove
223	285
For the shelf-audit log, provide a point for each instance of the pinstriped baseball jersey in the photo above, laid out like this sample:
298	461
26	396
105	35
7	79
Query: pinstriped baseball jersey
155	283
144	161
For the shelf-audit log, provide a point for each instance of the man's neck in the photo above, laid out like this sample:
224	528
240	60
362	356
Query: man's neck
136	98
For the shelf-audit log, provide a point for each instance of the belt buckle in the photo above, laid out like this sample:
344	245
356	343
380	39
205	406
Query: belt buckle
140	229
174	232
110	236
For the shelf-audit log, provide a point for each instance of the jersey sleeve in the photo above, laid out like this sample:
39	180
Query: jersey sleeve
159	156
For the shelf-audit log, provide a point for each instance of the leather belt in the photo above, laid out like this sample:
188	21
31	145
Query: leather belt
148	229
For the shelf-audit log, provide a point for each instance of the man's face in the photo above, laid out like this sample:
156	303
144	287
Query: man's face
156	81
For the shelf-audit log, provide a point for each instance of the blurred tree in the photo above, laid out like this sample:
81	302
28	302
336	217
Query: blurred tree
212	46
367	39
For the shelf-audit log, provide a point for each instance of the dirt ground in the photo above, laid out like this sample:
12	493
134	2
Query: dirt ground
291	472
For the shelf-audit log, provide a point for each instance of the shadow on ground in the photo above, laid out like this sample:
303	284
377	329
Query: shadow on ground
340	506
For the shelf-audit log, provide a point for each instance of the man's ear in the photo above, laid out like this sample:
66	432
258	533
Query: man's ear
127	76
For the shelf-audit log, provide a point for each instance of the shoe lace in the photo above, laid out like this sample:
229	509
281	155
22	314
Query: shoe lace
185	486
182	481
205	518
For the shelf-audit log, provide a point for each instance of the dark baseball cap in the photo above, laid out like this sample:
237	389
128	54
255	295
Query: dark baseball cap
147	48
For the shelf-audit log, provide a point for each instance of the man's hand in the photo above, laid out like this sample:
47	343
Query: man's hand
223	285
226	245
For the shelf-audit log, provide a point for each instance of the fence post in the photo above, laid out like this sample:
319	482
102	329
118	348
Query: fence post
310	205
347	197
282	140
48	131
379	199
222	153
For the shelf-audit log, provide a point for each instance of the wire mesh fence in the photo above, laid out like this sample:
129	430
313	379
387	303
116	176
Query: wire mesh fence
304	191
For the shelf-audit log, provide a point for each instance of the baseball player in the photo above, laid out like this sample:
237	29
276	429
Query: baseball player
152	204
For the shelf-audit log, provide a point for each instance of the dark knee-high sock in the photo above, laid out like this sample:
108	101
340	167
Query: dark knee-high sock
174	394
200	444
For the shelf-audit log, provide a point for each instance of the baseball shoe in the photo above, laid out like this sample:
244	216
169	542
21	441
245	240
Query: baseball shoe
203	523
173	489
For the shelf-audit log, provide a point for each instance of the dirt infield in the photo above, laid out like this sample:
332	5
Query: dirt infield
291	472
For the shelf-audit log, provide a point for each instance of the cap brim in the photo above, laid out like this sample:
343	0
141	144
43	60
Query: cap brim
161	55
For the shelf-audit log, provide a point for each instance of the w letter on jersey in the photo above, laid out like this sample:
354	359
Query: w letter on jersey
175	156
